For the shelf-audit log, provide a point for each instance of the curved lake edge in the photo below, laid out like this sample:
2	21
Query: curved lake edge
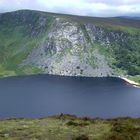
131	82
135	84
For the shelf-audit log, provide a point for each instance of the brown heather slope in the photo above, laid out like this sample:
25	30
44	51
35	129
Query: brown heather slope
68	127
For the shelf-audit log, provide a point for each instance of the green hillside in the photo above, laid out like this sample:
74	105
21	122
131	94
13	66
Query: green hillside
19	33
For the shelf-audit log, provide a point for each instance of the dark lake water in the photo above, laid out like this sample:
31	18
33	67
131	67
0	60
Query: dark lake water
45	95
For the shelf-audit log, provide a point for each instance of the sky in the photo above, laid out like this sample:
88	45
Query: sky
100	8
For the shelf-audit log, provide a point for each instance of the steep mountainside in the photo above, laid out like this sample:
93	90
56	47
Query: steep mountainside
37	42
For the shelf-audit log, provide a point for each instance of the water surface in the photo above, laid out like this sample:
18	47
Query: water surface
45	95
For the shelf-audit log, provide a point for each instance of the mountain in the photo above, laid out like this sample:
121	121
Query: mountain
131	17
37	42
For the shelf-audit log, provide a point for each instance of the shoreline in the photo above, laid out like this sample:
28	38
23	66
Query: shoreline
133	83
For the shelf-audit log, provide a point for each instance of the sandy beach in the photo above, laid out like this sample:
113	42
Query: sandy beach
135	84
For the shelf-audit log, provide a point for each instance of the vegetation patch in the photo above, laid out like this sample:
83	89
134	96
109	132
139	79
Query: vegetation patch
70	127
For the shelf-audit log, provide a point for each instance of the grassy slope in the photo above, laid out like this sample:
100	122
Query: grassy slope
17	40
66	127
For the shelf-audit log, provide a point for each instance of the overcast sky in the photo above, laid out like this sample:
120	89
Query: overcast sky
77	7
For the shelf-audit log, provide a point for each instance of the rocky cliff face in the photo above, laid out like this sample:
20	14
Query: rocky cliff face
68	50
68	46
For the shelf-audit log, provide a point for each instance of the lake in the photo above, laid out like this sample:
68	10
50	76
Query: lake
45	95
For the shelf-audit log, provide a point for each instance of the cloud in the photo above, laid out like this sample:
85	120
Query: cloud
114	2
77	7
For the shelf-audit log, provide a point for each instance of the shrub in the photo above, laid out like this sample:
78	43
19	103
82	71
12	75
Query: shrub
81	137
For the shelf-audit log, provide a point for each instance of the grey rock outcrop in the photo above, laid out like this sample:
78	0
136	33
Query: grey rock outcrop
65	50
